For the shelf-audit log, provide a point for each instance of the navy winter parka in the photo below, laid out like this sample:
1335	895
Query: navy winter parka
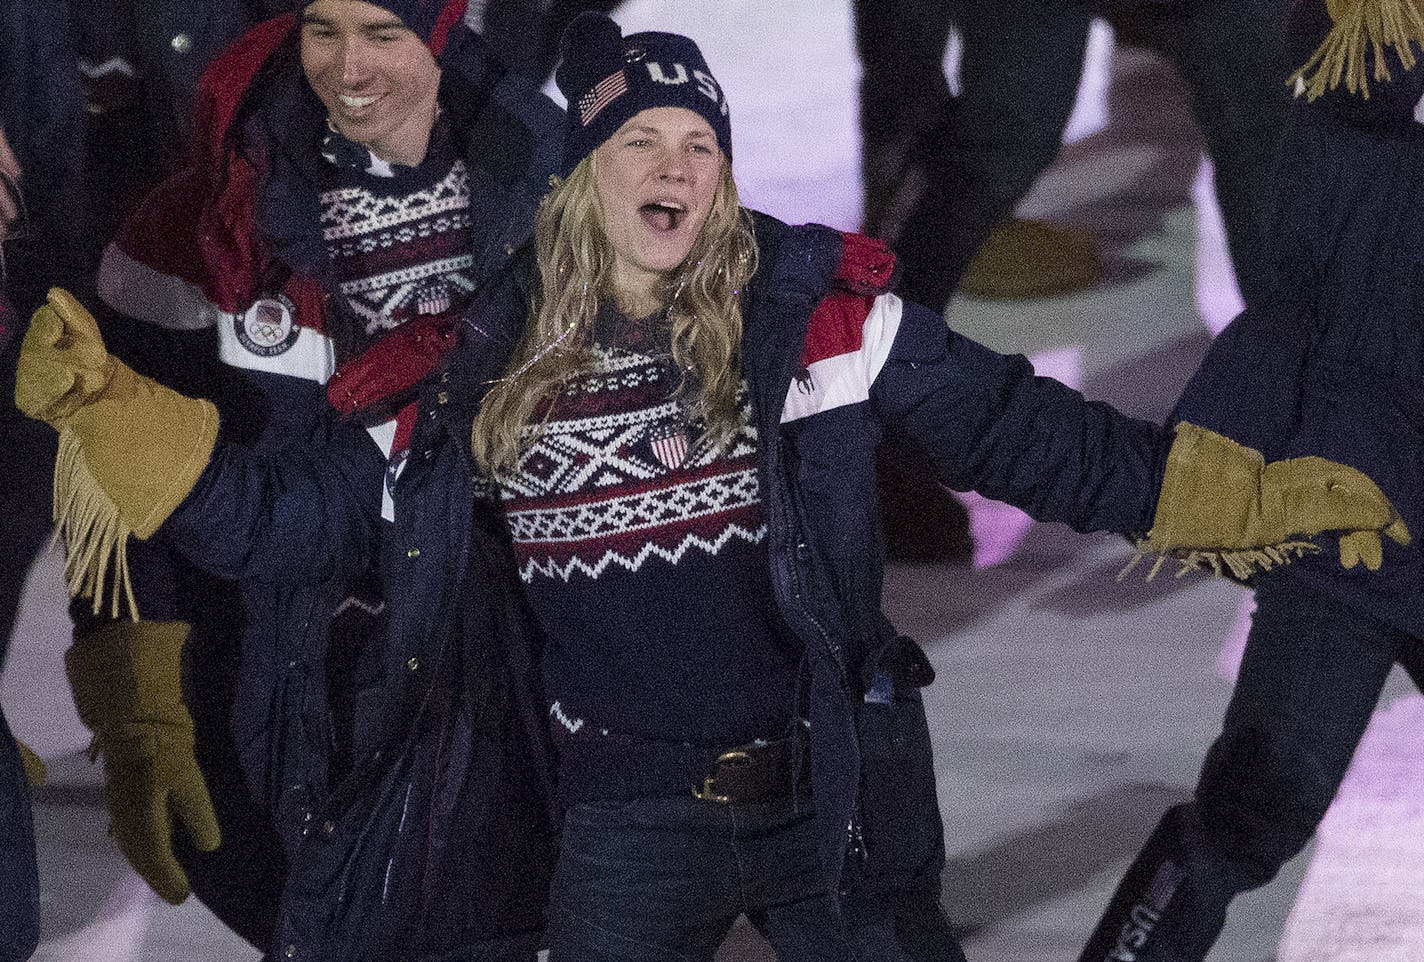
829	361
440	843
831	370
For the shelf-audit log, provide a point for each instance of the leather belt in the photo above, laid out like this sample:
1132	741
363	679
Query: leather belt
760	771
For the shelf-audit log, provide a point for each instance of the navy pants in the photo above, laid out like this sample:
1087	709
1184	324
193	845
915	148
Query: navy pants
663	880
1310	678
1022	59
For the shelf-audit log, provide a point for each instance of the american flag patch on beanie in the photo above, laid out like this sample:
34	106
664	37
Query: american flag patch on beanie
602	94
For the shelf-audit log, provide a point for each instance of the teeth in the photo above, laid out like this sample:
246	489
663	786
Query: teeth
358	101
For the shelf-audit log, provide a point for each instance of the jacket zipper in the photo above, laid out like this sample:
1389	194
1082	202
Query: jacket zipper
782	502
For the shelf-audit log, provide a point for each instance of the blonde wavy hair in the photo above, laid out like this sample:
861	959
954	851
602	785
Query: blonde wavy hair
702	299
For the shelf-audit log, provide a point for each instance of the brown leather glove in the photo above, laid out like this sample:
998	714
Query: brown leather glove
1221	503
127	682
130	449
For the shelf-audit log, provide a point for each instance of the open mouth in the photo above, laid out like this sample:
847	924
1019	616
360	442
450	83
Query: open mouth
663	215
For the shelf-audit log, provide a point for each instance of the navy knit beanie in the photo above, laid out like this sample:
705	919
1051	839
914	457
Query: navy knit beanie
431	20
607	78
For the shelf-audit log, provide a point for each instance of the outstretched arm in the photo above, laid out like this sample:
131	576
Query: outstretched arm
138	457
302	512
987	422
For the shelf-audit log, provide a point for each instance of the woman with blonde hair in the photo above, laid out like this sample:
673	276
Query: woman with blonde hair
683	441
681	436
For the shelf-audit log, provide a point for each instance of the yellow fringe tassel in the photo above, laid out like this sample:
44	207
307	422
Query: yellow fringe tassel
1362	28
94	535
1239	564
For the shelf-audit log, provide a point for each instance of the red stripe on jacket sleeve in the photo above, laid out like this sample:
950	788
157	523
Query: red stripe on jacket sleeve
837	326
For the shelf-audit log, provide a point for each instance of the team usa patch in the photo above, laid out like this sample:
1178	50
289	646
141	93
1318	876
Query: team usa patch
267	328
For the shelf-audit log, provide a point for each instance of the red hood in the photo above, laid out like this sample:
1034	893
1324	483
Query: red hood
208	208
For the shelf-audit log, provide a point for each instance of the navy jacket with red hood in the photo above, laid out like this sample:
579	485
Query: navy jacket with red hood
225	272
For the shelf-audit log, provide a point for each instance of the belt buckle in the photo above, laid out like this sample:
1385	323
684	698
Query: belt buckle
708	792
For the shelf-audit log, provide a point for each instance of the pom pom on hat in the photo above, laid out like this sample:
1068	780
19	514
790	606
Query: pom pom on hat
590	49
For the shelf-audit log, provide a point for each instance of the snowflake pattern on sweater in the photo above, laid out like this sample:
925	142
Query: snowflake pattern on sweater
399	252
614	476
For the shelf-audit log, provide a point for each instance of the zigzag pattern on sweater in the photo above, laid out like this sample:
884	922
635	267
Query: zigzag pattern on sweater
552	569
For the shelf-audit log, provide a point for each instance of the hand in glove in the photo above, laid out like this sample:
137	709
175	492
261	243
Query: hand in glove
1221	502
63	359
126	678
130	449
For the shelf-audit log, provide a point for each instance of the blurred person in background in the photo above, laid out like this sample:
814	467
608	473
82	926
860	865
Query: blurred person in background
1332	364
94	106
96	101
943	172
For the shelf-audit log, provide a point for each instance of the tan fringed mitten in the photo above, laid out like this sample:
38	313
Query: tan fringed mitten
130	449
1223	507
127	679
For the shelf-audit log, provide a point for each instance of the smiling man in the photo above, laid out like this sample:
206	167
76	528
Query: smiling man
376	78
360	171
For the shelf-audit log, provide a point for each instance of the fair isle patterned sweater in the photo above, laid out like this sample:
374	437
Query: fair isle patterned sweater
399	242
399	237
645	559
